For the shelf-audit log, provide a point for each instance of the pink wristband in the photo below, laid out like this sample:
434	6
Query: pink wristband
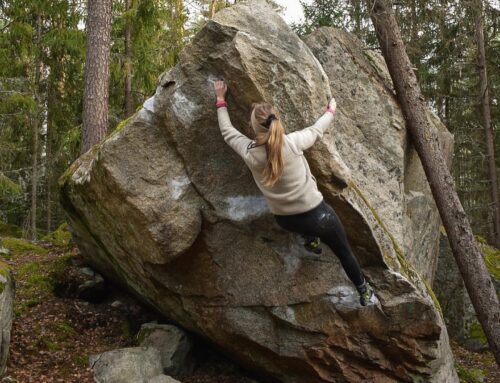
332	111
220	103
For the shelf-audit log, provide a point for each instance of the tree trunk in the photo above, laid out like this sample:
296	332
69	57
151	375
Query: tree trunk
36	127
48	153
213	8
96	93
357	17
129	103
477	7
34	177
465	250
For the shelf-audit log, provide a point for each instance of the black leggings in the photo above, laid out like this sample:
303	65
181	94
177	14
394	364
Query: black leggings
323	222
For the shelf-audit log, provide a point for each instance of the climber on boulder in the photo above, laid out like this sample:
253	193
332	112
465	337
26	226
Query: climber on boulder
283	175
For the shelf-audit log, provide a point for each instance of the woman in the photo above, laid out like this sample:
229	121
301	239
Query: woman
282	173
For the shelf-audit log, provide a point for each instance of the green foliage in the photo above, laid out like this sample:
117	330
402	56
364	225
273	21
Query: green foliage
8	187
158	36
36	103
10	230
321	13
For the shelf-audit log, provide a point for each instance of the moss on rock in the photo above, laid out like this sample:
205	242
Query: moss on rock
4	271
491	256
476	332
406	266
60	237
123	123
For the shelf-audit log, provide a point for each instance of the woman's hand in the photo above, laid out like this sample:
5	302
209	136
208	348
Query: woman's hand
332	104
220	89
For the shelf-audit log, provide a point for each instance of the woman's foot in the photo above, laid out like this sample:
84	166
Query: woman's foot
366	294
312	244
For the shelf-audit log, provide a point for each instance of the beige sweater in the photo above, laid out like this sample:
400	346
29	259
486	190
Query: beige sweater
296	190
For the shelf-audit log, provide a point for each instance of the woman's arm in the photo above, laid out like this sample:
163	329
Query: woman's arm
306	137
236	140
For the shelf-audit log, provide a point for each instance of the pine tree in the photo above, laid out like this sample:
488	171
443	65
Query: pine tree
49	97
96	94
464	247
484	100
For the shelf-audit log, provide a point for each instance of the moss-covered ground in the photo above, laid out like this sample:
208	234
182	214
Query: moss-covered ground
475	367
9	230
52	337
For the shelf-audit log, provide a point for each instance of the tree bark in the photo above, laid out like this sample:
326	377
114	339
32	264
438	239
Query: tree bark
357	17
36	129
484	98
48	152
465	250
129	103
213	8
96	93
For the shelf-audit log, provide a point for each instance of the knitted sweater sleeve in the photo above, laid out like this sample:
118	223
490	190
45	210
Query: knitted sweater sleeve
306	137
236	140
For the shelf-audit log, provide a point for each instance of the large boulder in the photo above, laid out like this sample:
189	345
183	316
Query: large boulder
166	208
126	365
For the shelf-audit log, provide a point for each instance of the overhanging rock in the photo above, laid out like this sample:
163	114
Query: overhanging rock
166	208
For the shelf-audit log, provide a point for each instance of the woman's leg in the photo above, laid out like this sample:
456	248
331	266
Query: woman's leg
323	222
332	233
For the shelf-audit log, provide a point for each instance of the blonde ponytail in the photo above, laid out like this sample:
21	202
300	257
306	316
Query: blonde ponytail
272	135
274	148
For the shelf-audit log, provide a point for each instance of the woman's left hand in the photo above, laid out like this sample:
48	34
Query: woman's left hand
220	89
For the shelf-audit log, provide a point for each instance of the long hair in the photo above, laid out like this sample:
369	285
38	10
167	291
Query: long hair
267	125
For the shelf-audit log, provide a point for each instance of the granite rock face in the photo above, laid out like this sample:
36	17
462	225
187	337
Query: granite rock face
6	306
166	208
126	365
390	177
173	345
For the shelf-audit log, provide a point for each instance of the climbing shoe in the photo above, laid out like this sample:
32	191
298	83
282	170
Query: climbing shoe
312	244
366	294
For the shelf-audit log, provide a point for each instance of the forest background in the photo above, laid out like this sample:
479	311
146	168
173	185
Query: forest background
42	59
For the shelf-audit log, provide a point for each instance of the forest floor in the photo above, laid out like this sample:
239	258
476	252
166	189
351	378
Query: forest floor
53	336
